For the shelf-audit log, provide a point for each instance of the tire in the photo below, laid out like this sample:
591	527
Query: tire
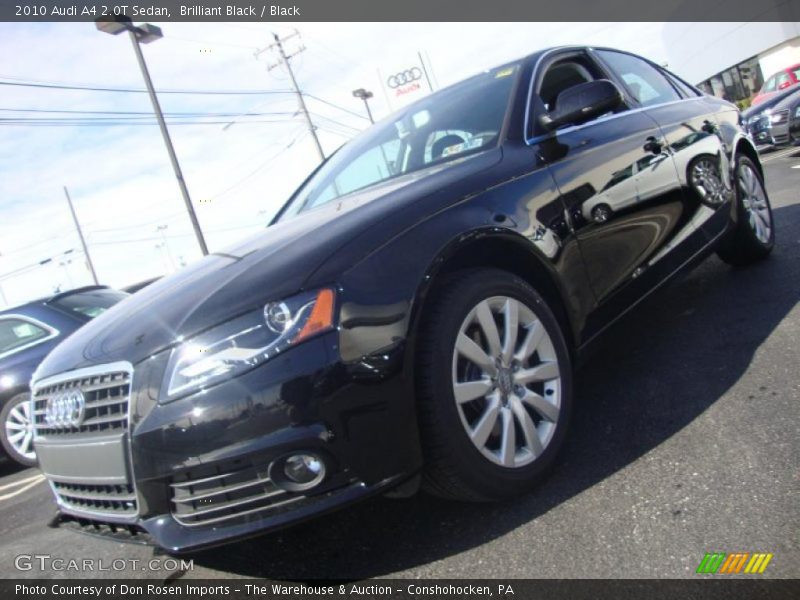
456	467
754	235
12	418
601	213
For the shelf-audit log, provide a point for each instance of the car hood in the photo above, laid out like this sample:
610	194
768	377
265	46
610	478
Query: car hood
269	266
771	102
788	101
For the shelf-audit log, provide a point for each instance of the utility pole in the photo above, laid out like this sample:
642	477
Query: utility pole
2	293
162	229
80	235
284	60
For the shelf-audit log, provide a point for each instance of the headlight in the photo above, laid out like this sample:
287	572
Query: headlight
776	118
239	345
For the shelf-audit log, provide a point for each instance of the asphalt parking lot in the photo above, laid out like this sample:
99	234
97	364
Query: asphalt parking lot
684	441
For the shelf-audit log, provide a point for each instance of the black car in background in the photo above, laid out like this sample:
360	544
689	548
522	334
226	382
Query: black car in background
784	120
413	312
27	333
758	120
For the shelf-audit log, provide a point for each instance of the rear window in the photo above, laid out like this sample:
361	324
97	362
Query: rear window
15	333
91	303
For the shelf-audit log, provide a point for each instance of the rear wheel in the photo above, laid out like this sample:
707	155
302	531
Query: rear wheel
16	434
754	236
494	387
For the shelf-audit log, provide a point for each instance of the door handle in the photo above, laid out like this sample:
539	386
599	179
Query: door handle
652	145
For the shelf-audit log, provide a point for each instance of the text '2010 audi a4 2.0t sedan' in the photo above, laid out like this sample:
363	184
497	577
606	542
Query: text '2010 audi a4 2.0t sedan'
412	313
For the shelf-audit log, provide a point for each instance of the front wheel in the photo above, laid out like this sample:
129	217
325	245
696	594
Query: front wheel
754	236
16	433
494	387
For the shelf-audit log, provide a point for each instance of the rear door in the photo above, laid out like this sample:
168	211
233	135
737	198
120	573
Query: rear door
693	139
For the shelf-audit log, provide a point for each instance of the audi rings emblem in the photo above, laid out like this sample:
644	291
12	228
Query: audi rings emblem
65	410
404	77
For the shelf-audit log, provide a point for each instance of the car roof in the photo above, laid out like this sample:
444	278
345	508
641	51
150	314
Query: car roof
48	299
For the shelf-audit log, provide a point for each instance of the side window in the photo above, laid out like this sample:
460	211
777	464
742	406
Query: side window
796	72
783	80
15	333
562	75
769	86
644	82
683	88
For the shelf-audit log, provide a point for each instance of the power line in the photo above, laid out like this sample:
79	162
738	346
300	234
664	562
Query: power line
83	123
342	108
209	43
141	90
133	113
259	168
167	217
342	134
334	121
173	236
40	263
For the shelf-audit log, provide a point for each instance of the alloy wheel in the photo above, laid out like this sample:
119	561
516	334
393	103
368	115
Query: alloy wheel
19	430
707	181
506	381
754	201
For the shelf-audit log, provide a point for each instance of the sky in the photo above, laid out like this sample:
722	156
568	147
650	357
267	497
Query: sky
250	152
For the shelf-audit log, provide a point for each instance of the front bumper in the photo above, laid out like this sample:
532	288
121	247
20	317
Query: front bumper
195	472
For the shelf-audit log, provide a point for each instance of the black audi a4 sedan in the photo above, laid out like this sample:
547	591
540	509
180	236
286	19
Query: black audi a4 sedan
412	314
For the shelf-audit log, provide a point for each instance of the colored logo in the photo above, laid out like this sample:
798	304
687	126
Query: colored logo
736	562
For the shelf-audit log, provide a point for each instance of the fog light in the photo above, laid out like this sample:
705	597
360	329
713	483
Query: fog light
298	472
303	468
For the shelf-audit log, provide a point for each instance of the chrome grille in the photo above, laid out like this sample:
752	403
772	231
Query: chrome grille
107	396
215	498
88	462
91	498
783	114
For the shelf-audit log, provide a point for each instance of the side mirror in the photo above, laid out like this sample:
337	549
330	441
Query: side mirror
581	103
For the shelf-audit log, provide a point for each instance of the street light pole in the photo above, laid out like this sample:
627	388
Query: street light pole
168	142
145	34
365	95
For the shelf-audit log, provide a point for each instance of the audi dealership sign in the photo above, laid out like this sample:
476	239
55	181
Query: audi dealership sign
405	83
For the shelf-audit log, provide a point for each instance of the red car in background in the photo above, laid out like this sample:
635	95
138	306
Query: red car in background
779	81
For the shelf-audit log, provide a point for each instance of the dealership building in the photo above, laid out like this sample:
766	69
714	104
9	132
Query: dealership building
732	60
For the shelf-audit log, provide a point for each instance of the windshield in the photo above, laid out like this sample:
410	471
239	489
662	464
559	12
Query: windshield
463	119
